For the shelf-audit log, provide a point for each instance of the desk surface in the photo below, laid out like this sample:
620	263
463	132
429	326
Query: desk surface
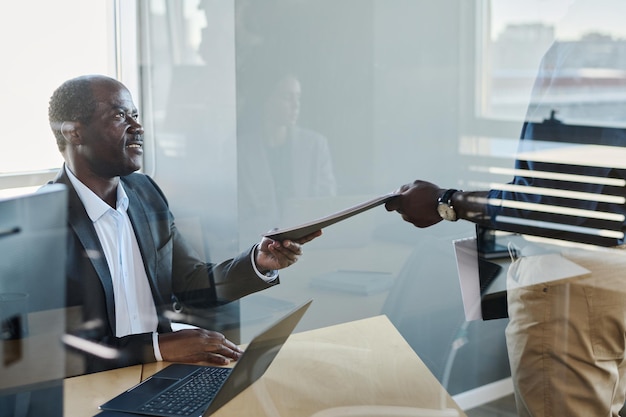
356	364
331	306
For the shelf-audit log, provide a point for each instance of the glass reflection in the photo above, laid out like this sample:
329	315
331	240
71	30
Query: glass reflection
280	163
559	276
382	87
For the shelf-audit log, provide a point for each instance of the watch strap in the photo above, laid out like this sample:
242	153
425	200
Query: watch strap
446	197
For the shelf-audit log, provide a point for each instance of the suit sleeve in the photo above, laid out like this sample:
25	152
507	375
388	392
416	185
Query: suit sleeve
183	276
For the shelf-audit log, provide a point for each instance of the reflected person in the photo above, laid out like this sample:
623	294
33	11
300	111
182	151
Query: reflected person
127	263
279	161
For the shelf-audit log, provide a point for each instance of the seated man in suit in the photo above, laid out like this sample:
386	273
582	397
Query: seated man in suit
127	263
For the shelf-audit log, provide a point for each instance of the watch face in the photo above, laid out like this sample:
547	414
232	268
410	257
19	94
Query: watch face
446	212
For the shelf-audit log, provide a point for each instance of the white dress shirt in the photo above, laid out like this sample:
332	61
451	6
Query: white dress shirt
134	305
135	311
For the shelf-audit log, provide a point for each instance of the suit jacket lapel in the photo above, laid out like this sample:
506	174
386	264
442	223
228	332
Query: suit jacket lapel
83	228
144	233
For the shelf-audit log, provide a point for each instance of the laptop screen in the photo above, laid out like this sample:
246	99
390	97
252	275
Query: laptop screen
258	356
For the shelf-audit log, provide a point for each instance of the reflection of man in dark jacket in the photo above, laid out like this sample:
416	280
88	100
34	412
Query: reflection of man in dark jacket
127	263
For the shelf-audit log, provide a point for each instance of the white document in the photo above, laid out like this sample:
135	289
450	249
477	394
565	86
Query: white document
466	254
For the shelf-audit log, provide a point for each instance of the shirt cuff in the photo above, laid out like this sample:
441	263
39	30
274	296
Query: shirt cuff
155	346
269	276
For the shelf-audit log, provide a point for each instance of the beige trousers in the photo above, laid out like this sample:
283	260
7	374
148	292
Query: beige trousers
567	340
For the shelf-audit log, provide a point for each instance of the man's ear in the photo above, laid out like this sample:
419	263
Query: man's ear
69	130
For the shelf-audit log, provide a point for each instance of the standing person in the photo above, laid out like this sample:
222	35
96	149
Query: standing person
566	340
127	264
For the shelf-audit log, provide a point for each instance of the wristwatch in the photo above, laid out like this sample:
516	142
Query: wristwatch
444	206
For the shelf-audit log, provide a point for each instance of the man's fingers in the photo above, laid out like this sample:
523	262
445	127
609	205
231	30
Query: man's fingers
310	237
392	205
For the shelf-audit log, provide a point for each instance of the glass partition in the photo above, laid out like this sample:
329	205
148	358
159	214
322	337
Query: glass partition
267	114
270	114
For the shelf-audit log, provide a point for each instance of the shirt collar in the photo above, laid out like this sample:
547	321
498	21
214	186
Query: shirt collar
94	205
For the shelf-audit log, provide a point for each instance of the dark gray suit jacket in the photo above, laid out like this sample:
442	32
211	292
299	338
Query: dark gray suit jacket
175	272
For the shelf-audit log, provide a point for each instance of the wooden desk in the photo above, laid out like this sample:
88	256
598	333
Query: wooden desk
330	306
83	394
355	364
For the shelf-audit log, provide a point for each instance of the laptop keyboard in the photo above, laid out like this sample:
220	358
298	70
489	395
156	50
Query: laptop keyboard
192	395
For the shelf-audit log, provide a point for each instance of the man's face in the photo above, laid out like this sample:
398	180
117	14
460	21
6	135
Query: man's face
284	102
112	143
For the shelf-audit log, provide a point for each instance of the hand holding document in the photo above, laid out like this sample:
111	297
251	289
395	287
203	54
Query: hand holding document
297	232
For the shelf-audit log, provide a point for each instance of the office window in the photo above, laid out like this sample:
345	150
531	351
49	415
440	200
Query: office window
515	36
42	45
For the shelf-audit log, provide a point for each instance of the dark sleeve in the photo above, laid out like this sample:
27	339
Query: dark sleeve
530	210
183	276
132	350
204	284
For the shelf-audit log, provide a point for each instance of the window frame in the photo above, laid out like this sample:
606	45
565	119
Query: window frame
122	22
475	28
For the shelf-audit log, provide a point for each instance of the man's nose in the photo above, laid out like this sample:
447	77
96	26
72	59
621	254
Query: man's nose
136	127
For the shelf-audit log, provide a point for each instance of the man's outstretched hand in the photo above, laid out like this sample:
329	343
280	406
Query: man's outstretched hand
417	203
274	254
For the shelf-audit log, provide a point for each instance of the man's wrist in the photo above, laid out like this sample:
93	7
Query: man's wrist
265	274
155	346
445	205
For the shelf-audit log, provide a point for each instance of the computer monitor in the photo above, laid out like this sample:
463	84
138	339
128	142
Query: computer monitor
33	229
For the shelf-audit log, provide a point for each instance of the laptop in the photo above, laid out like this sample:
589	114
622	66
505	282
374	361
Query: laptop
150	396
